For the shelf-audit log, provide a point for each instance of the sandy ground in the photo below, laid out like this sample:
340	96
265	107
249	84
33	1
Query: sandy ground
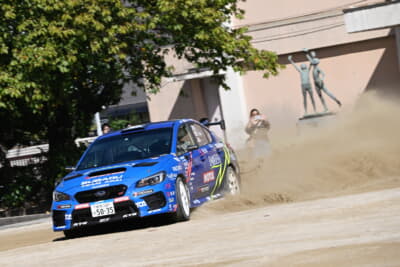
329	197
354	230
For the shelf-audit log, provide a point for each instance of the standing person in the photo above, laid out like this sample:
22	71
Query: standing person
257	129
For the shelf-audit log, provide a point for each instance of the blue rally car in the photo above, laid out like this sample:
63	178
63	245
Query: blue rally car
163	167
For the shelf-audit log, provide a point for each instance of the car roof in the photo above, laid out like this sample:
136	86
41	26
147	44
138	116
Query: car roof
146	127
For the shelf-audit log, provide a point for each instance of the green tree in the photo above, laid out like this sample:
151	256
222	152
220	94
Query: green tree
60	61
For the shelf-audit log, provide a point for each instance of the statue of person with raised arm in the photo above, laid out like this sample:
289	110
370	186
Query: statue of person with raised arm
319	77
305	83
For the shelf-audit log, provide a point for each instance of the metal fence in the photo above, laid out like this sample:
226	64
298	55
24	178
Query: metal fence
25	156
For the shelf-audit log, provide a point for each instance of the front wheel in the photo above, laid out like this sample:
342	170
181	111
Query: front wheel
232	182
183	200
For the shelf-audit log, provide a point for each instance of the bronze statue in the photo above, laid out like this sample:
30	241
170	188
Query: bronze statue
305	83
319	77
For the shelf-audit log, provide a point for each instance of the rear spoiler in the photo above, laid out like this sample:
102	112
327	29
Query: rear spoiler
221	123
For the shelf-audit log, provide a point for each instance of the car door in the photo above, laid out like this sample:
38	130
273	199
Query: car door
205	158
187	151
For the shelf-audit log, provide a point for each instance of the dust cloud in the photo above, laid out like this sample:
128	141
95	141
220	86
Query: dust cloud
357	151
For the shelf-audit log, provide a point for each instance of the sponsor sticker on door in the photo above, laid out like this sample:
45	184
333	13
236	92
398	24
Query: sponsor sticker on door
208	176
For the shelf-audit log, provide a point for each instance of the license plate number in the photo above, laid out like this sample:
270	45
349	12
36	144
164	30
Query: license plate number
102	209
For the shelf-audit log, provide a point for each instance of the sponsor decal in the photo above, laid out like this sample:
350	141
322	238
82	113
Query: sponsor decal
171	199
208	176
144	192
101	181
101	175
172	176
203	151
121	199
189	167
204	188
221	169
100	186
196	201
141	204
214	159
68	217
80	223
177	168
82	206
65	206
152	211
170	193
129	215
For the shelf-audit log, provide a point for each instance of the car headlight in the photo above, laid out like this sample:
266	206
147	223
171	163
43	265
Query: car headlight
151	180
58	196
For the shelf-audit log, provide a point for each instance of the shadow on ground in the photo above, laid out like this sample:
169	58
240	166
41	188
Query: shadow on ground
121	226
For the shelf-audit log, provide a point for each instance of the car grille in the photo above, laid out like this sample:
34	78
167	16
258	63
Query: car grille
100	194
85	216
155	201
59	217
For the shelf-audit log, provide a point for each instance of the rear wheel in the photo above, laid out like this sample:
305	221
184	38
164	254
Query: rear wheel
183	200
232	182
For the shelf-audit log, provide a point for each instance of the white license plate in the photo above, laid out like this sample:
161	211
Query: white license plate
102	209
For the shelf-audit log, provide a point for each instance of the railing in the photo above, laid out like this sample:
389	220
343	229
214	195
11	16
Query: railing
25	156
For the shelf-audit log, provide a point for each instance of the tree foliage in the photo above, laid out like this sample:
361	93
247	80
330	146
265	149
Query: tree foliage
61	61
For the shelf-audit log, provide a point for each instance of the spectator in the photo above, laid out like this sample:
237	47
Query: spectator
106	128
257	129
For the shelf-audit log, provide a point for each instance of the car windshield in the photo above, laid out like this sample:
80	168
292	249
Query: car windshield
127	147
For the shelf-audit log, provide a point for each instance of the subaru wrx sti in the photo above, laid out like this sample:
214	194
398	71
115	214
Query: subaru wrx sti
165	167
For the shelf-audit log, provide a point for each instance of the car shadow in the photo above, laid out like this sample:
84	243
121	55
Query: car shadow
153	221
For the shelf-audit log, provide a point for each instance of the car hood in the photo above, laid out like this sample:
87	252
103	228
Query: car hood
127	173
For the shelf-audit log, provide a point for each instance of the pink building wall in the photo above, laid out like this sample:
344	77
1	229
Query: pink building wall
353	63
350	70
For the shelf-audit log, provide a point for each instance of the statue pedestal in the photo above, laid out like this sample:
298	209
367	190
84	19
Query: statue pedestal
316	120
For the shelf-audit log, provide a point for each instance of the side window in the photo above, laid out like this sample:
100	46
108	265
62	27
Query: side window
185	140
199	134
208	135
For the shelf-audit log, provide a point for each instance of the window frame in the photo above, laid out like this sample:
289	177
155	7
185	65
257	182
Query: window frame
192	137
202	130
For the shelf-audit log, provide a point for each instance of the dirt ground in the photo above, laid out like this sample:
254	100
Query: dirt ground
329	197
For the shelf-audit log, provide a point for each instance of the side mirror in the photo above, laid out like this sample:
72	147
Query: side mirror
221	123
70	168
192	147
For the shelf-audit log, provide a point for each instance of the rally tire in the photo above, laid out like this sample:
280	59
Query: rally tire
231	182
183	201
